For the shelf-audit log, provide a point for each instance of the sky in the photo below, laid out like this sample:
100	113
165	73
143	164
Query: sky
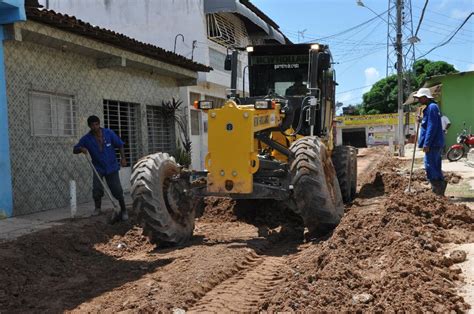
360	53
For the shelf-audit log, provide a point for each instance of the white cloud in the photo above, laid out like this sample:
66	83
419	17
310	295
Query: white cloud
460	14
371	76
470	67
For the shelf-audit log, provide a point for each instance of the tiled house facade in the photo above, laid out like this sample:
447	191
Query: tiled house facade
55	80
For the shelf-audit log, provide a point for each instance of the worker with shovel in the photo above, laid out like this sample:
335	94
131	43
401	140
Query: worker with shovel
100	144
431	140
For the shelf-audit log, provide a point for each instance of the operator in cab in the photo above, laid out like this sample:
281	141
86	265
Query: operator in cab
298	88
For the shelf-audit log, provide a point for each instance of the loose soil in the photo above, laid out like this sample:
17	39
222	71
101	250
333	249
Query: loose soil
386	255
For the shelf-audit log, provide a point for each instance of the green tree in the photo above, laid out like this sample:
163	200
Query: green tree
425	68
383	96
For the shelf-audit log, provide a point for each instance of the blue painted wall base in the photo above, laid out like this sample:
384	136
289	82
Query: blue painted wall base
6	193
10	11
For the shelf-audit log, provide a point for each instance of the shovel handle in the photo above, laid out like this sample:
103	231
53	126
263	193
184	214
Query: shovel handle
414	151
101	182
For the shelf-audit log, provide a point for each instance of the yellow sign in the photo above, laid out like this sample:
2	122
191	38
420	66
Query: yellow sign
373	119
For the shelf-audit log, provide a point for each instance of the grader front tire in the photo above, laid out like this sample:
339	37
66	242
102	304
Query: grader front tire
159	197
316	190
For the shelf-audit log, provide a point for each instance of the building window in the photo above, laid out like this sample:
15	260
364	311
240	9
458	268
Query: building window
52	114
121	117
161	131
195	122
218	102
227	30
193	97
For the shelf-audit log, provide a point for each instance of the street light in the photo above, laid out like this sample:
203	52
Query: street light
362	4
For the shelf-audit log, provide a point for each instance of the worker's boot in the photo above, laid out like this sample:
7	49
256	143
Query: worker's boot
97	204
444	185
123	210
438	187
433	186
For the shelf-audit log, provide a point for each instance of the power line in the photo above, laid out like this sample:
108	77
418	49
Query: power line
368	34
351	28
438	24
361	57
351	90
449	39
441	14
457	60
436	29
421	17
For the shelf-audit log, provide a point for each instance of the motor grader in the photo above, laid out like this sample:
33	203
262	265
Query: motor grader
275	144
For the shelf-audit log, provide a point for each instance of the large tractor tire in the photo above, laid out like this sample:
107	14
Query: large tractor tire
344	159
160	199
316	192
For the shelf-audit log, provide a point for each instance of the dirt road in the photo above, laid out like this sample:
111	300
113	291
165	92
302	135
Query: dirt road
385	255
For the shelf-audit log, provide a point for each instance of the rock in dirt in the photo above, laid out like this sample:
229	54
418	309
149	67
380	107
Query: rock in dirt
362	298
458	256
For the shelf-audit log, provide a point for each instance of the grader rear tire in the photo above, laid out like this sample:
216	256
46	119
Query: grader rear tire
159	197
354	172
316	190
344	159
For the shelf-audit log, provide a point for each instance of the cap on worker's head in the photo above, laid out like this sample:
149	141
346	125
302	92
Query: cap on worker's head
423	92
92	119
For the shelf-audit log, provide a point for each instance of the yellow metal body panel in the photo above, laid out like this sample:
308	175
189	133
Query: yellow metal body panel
232	159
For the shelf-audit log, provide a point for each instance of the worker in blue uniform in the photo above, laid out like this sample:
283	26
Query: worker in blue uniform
431	140
100	144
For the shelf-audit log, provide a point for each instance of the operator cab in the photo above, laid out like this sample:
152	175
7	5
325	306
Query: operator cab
294	73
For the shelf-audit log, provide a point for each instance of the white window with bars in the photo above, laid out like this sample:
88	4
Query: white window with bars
218	102
195	122
52	114
227	30
161	131
122	118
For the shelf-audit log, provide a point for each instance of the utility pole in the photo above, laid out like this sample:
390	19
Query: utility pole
301	34
399	49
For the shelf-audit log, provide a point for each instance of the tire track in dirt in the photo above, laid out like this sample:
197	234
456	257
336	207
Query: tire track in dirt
259	275
248	288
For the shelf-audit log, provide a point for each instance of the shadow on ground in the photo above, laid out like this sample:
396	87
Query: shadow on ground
56	270
373	189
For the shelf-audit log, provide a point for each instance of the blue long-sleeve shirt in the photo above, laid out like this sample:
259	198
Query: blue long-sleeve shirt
431	131
104	161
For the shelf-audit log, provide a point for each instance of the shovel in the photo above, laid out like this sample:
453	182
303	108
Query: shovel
116	208
408	190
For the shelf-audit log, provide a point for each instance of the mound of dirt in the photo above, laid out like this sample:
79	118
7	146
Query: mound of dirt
386	255
255	212
218	209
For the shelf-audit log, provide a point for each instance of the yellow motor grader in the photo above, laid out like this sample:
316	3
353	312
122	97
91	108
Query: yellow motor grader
275	144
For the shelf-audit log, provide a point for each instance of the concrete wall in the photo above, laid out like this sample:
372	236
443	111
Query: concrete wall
150	21
457	103
43	166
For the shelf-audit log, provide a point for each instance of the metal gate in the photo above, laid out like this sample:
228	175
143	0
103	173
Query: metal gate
121	117
161	131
